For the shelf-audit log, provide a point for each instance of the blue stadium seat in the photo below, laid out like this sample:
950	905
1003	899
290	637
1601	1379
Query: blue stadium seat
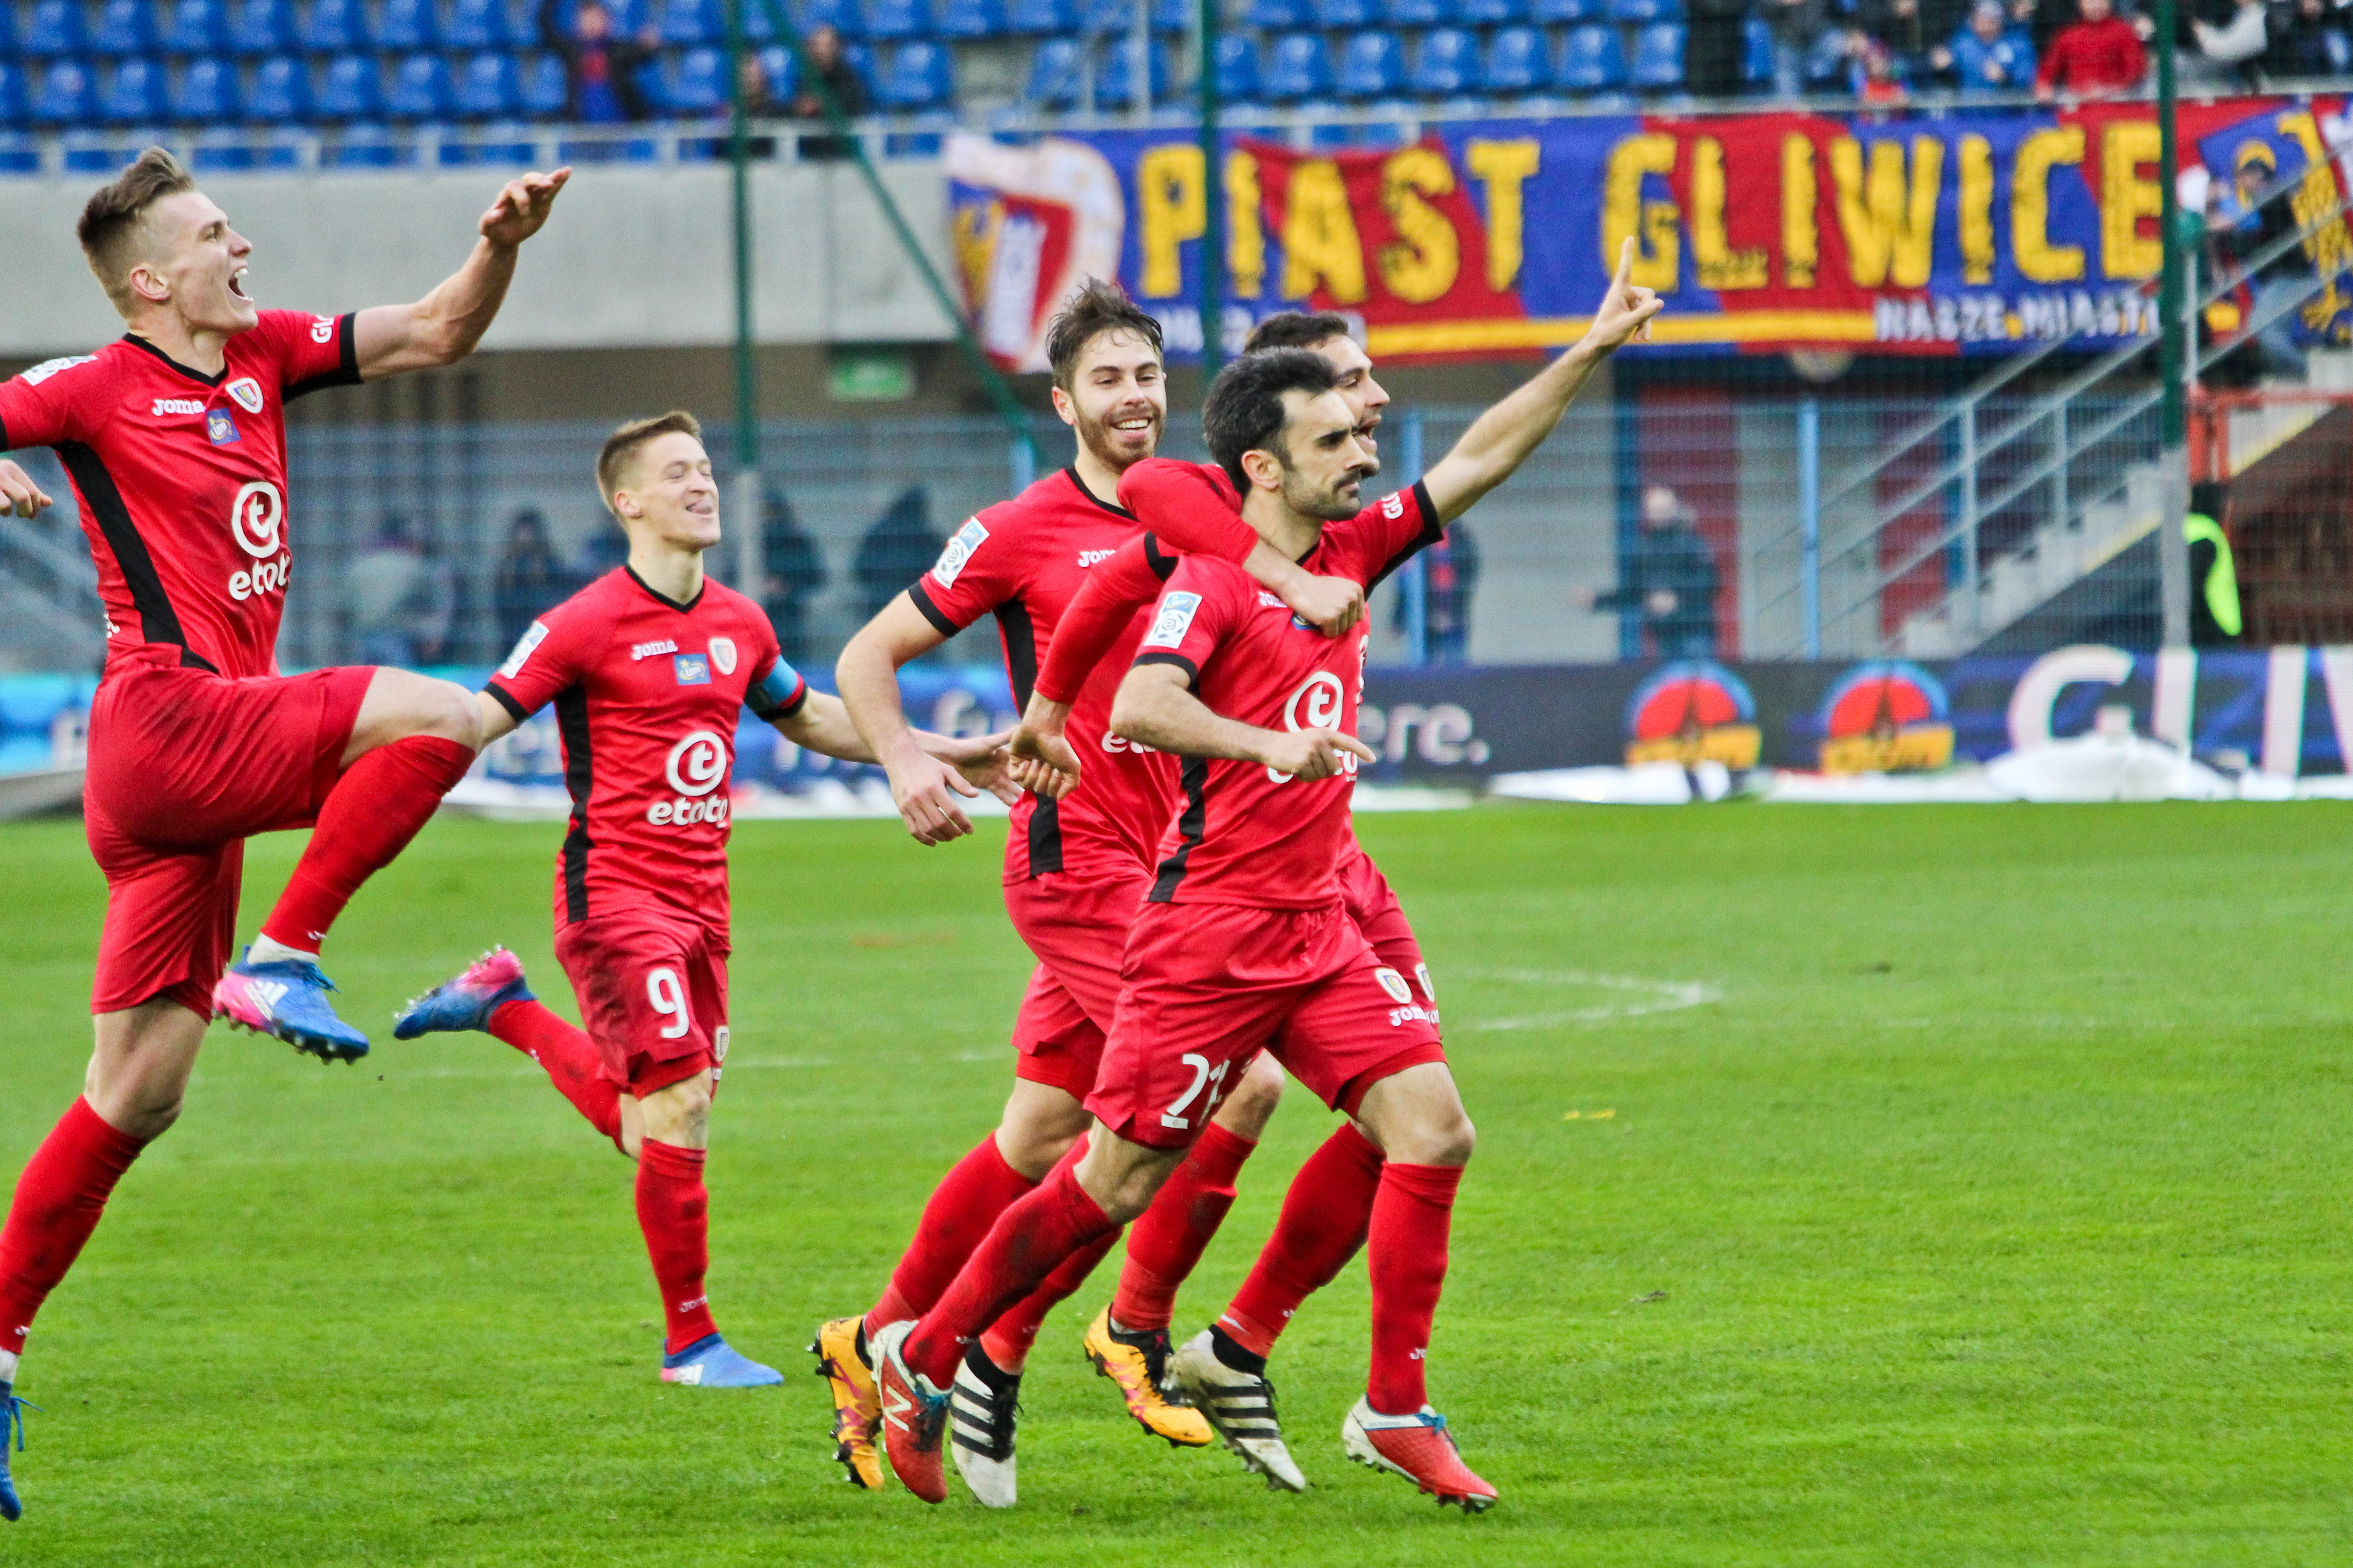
1342	16
1592	59
841	15
1518	64
894	19
1756	53
1057	74
1237	67
1041	17
1658	58
488	88
1300	68
1116	78
1490	13
922	77
126	27
408	27
1172	16
546	95
1447	65
55	30
782	71
281	92
696	82
1372	65
362	145
8	31
970	18
198	28
1571	12
13	108
1417	12
20	153
1106	15
860	58
478	24
685	23
133	94
220	148
207	93
263	28
336	28
1642	13
1278	15
353	88
420	89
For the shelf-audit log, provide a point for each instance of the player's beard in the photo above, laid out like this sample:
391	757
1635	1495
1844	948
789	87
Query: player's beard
1097	437
1330	505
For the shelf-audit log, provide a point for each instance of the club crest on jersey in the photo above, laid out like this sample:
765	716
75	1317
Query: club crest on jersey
1174	620
722	654
693	669
1394	984
950	566
221	426
248	392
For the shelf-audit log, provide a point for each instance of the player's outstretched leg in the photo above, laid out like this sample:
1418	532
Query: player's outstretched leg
987	1391
492	997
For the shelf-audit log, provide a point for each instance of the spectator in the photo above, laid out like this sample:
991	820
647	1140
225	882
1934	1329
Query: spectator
1450	576
1669	578
791	570
1717	48
606	551
2247	220
897	550
1988	54
825	61
2299	41
1910	29
601	71
2227	54
2098	56
386	590
1805	45
1883	81
530	577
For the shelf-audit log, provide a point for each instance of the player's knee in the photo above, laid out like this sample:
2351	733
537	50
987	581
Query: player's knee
449	710
1453	1139
1245	1112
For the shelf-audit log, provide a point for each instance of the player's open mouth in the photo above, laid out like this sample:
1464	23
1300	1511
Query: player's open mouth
236	284
1135	427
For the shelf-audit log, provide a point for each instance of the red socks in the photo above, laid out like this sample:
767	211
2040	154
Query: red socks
1028	1242
568	1056
1324	1217
1168	1241
372	812
674	1211
962	1208
1407	1262
1006	1341
59	1200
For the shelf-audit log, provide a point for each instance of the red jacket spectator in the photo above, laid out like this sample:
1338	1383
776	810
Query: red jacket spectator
2093	57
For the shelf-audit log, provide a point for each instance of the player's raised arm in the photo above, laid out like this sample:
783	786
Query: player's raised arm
443	327
1157	706
923	787
1500	440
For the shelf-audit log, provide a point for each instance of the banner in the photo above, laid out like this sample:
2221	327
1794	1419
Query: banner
1968	231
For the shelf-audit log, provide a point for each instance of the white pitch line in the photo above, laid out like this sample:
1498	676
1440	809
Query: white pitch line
1658	996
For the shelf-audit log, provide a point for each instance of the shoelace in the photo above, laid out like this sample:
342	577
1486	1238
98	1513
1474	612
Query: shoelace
12	1418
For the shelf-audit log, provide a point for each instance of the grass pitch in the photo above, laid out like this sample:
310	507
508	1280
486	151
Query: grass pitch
1915	1186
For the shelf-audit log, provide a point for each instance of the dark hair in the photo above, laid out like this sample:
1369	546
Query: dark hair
621	445
110	222
1244	411
1296	330
1097	308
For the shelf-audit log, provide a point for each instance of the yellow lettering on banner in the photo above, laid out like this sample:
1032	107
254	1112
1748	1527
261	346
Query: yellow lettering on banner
1976	210
1168	187
1245	233
1658	249
2039	260
1717	264
1891	232
1504	167
1319	236
2126	198
1427	256
1801	240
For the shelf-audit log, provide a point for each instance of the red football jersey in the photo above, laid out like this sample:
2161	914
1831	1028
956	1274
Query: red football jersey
181	478
1024	559
648	692
1246	834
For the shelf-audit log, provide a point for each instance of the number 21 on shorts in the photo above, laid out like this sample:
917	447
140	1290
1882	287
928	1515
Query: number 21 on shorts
668	999
1204	1077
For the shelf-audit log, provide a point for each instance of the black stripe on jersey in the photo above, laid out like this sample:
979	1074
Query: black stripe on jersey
1163	565
1045	835
572	719
136	342
1432	531
1021	649
662	598
1189	823
346	374
158	621
506	700
1192	672
931	613
1071	473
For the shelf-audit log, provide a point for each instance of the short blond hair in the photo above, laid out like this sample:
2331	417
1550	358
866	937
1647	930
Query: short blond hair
621	448
110	221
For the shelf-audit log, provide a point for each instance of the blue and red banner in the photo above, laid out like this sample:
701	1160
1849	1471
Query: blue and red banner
1963	232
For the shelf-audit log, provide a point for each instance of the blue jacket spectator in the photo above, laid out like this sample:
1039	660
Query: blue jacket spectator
602	71
1990	55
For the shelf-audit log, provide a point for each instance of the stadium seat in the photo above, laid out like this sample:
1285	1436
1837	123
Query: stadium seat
842	16
478	24
1237	67
686	23
1101	16
1447	65
1658	58
546	95
1518	64
1417	12
488	87
1342	16
125	27
860	58
1756	53
14	111
133	94
65	97
1115	83
1490	13
2338	48
1300	68
1041	17
263	28
1592	59
922	78
697	82
281	92
207	93
897	19
20	153
353	90
220	148
336	28
1057	75
420	89
1372	65
55	30
1644	13
1571	12
1278	15
198	28
363	145
971	18
408	27
1173	15
782	71
9	39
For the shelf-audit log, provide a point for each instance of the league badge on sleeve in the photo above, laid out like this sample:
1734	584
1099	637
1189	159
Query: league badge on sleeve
248	392
693	669
959	549
1176	620
722	654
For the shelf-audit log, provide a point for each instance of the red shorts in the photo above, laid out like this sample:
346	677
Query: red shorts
652	990
184	766
1206	985
1077	929
1366	894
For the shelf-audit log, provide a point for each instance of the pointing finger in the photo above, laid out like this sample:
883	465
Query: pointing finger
1625	266
1350	743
